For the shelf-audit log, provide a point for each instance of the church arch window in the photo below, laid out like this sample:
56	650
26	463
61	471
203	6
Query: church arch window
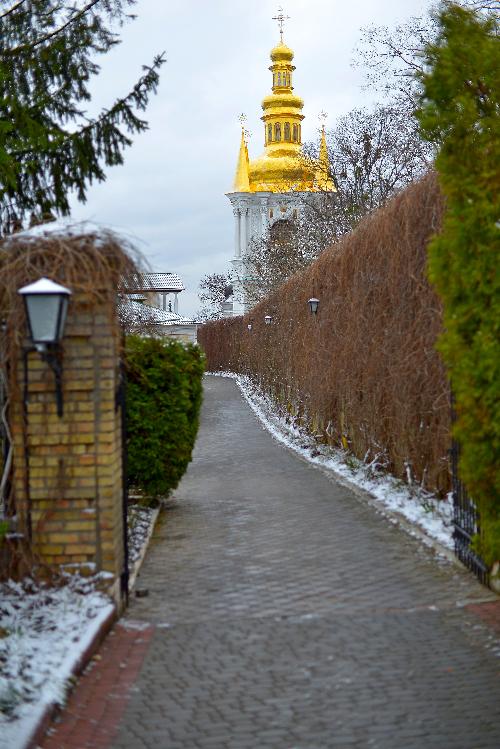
287	131
282	232
295	133
269	133
279	79
277	132
271	213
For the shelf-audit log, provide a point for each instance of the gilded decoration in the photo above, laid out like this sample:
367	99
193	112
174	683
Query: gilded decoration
282	167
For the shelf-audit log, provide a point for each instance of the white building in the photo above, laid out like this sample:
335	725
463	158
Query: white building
154	303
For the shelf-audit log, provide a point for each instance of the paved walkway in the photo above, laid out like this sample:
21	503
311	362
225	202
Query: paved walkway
285	613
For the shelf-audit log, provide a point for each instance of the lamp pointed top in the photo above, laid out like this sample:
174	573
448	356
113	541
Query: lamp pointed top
44	286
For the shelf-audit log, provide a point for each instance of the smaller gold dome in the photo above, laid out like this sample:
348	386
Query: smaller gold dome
282	101
281	53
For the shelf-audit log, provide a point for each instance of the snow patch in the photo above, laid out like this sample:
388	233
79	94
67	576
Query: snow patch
44	631
65	227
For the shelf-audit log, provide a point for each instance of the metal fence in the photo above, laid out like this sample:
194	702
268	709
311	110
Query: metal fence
466	523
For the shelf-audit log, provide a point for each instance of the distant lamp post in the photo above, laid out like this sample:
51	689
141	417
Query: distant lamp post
313	305
249	326
268	319
46	305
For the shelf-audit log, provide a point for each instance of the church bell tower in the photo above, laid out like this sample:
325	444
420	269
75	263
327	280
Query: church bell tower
277	185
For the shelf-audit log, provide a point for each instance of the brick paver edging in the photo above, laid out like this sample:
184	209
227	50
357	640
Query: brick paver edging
80	665
86	656
93	713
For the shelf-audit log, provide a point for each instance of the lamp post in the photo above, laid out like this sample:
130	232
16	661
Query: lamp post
249	326
313	305
268	319
46	305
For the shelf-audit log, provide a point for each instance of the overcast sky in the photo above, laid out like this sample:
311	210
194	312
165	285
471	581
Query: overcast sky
169	196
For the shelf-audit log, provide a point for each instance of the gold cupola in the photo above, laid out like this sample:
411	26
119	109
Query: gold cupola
281	167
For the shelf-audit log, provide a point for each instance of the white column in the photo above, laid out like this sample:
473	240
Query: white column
243	231
248	231
176	303
263	217
237	230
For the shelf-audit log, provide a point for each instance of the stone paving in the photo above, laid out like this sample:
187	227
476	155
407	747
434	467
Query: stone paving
285	613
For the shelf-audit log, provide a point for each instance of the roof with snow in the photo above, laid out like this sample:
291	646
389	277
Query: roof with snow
160	282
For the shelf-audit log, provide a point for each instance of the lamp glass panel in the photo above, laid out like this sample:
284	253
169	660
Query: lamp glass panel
43	312
62	318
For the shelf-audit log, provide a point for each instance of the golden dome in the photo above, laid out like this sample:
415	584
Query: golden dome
281	53
281	168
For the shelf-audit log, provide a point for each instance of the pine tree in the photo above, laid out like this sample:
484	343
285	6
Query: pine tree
49	148
461	111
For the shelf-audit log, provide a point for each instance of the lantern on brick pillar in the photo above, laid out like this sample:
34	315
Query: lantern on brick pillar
46	305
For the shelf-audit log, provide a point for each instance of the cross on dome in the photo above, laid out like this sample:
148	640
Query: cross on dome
322	117
243	121
281	18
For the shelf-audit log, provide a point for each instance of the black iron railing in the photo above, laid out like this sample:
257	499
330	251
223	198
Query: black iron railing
466	523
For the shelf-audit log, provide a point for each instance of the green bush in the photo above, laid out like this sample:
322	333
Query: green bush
460	111
164	392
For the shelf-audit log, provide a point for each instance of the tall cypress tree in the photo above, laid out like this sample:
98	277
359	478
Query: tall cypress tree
461	111
48	146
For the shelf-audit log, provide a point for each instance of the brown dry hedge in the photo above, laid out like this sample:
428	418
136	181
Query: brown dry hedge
363	373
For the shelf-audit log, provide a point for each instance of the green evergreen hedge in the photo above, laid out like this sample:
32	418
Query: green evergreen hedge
460	111
164	393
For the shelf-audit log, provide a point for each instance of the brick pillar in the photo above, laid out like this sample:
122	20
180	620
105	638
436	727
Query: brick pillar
68	471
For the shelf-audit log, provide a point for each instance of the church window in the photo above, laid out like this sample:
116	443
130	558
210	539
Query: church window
279	79
300	134
277	132
295	133
295	213
269	133
282	232
271	213
287	131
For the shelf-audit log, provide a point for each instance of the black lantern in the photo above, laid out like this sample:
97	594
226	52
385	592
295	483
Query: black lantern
46	306
313	305
249	326
268	319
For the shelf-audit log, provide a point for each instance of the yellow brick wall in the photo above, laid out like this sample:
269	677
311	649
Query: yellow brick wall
68	471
